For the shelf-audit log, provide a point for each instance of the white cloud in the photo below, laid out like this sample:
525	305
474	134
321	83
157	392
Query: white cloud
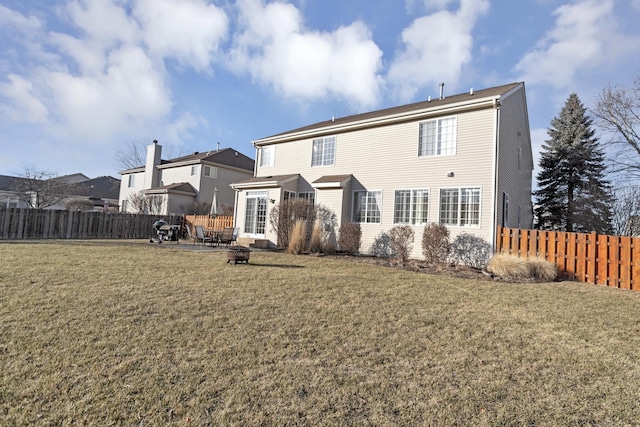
188	30
24	24
436	46
103	21
584	35
23	105
130	94
277	51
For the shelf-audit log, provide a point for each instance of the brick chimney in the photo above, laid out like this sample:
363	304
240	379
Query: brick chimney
151	172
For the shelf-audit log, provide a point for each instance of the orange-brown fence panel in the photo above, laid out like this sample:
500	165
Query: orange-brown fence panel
592	258
209	222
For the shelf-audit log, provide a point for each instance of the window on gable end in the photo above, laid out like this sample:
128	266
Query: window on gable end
438	137
324	151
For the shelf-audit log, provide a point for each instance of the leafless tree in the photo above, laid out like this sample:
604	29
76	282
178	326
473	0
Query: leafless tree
626	212
79	205
146	203
41	189
617	112
134	154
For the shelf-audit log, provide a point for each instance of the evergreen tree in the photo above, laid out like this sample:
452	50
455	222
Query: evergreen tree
573	194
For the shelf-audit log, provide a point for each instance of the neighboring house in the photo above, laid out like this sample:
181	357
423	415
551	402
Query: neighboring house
9	197
170	186
464	161
76	191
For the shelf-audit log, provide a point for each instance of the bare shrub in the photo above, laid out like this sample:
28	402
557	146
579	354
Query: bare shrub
401	238
284	215
349	237
542	269
381	246
470	250
435	243
298	237
315	246
329	222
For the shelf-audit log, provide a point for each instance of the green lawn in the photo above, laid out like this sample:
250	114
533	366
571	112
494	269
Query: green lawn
129	333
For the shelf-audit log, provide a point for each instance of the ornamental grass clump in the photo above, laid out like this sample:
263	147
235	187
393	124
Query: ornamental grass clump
298	237
516	268
316	246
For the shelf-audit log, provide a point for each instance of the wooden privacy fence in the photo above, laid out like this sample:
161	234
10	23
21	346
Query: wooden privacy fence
208	222
62	224
592	258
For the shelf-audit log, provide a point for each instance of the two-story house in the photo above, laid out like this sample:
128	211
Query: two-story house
463	160
171	186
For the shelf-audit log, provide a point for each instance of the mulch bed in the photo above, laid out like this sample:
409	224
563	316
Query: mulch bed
419	266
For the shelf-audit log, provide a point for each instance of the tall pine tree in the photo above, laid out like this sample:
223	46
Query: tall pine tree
573	194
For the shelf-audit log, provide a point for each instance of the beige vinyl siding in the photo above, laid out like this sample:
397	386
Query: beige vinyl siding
386	159
334	198
516	182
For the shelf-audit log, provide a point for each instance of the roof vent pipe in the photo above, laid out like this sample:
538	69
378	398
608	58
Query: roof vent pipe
441	91
429	99
218	149
471	91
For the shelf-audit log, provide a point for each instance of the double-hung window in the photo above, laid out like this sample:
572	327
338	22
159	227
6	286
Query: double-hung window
255	217
267	155
210	171
438	137
132	181
460	206
195	170
367	206
411	206
288	195
324	151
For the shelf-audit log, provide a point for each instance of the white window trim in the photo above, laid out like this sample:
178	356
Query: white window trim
353	205
455	140
195	170
335	149
429	201
291	195
457	225
256	195
131	181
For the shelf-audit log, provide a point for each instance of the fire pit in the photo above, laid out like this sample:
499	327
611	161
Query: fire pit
238	254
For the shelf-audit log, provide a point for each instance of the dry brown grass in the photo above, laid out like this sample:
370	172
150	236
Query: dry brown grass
128	333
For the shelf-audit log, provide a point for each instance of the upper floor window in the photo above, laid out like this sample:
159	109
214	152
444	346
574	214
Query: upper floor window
411	206
367	206
438	137
324	151
195	170
132	180
267	155
210	171
460	206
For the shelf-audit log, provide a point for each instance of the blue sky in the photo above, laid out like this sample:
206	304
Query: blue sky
81	79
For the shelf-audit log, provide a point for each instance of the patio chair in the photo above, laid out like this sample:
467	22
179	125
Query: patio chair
201	236
229	235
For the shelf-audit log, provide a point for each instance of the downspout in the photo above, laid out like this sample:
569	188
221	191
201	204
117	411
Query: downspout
496	157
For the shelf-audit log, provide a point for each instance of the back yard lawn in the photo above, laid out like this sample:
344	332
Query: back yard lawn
129	333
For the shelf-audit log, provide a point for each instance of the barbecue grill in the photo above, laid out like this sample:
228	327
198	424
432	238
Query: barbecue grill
165	232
